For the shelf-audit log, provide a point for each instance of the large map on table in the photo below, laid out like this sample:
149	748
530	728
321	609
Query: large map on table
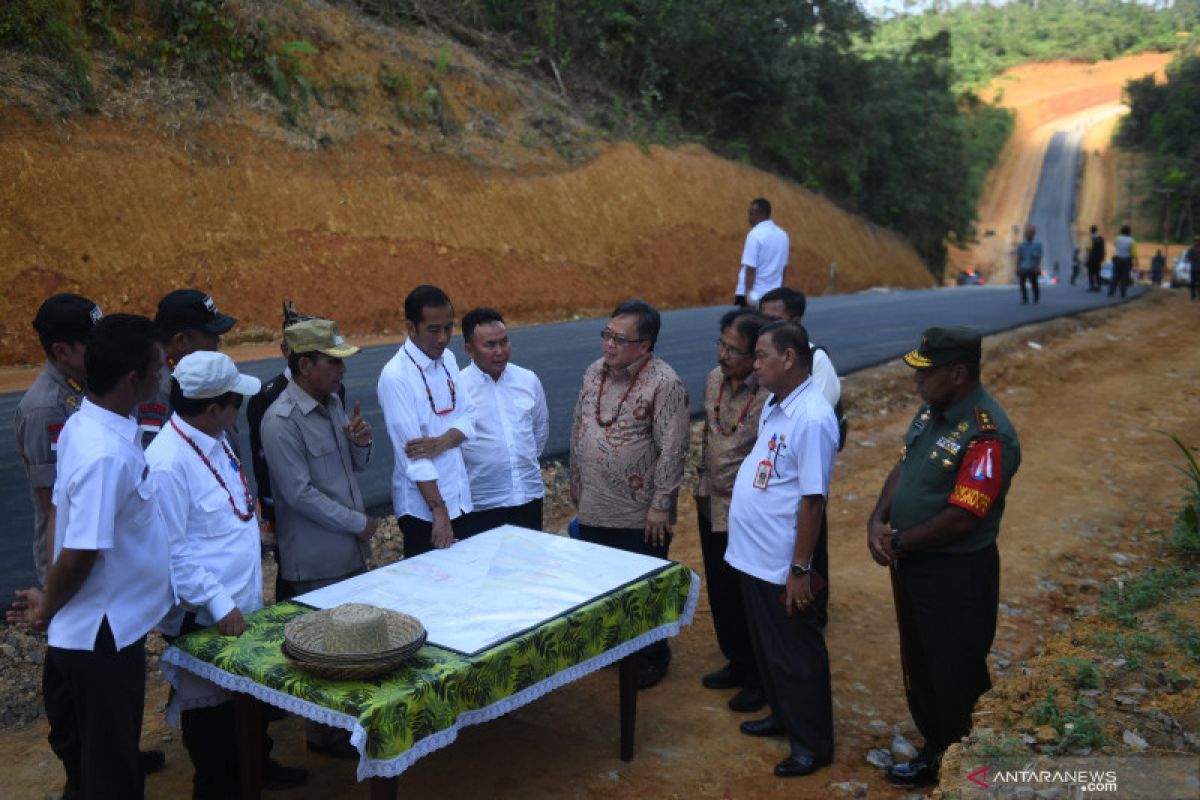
492	586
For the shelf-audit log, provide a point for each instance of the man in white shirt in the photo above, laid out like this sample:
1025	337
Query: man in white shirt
512	424
774	522
788	304
216	568
110	582
764	258
427	418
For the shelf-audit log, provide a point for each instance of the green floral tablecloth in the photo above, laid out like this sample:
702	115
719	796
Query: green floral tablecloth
397	718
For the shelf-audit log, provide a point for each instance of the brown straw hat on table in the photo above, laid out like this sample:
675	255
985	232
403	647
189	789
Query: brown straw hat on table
352	641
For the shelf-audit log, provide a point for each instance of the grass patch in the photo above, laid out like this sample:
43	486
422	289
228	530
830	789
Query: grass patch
1122	601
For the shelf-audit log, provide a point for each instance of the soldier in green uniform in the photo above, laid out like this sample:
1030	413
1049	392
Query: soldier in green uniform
935	525
62	323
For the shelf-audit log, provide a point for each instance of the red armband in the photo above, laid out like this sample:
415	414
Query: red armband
979	478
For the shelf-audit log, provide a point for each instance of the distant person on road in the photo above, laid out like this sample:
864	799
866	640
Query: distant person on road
62	323
935	525
1075	265
764	258
1124	260
733	402
788	304
629	440
774	522
428	418
1095	259
1029	263
1158	266
1193	257
512	424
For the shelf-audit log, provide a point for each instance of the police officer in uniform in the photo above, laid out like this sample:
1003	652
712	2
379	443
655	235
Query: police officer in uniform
62	323
936	525
190	321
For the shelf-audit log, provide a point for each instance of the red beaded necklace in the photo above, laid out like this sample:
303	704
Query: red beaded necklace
624	397
717	411
429	392
249	513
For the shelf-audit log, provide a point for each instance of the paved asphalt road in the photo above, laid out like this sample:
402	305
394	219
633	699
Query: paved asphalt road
1054	207
859	330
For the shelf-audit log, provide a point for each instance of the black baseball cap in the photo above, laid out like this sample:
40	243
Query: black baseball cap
952	344
187	309
66	318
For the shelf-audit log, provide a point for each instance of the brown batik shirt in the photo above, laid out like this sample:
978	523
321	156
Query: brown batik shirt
726	442
619	471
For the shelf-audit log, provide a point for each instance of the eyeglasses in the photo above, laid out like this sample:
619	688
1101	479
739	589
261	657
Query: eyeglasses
733	351
618	339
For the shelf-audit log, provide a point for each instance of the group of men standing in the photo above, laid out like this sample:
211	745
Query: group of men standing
130	540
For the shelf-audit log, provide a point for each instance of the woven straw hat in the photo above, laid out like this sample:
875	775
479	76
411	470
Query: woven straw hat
353	634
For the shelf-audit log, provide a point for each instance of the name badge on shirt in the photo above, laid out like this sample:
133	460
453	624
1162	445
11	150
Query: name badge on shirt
762	475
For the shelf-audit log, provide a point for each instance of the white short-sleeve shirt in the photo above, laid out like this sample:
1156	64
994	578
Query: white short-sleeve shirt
511	427
104	502
766	251
798	437
216	559
411	407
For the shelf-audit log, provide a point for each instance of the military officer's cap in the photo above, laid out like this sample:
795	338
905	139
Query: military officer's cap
317	336
953	344
66	318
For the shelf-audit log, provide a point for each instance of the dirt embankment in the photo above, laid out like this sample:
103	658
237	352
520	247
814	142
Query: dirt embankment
1046	98
423	165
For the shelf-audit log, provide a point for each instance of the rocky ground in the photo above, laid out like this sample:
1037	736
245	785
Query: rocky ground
1088	396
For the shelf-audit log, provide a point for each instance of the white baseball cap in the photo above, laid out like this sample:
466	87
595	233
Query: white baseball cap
207	373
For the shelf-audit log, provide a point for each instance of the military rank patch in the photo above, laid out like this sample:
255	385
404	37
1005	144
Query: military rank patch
983	420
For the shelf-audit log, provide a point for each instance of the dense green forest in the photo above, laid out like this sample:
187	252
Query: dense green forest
877	117
988	39
1164	125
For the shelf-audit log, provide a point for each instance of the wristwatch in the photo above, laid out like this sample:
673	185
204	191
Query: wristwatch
801	570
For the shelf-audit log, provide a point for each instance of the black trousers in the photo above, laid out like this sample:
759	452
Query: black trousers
210	737
632	540
1030	275
94	701
1093	271
526	515
793	665
948	608
725	601
1194	283
418	534
1122	267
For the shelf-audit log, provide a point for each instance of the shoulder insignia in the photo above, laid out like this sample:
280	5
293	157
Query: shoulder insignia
983	420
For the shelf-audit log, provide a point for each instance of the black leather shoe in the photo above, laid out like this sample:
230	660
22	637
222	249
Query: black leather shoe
724	678
921	771
649	674
339	749
798	764
767	726
276	776
749	699
152	761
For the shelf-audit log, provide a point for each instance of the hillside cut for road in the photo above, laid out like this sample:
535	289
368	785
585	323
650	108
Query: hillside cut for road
489	186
